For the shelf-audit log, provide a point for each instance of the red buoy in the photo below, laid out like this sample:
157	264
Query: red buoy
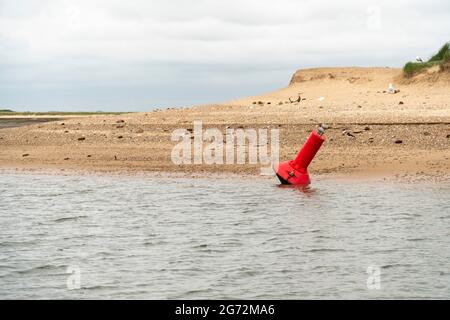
295	172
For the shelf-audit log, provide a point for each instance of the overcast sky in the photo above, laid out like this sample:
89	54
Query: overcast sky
140	54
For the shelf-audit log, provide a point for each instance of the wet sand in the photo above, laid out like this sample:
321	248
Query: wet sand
12	122
372	132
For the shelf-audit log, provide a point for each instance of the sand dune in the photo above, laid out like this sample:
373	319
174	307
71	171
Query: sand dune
358	95
350	100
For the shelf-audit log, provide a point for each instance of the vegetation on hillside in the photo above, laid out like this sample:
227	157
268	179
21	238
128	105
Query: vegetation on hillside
441	58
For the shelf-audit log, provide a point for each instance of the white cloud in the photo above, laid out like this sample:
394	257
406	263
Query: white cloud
51	46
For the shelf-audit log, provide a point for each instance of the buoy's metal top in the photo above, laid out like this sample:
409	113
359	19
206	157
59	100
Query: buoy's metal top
321	129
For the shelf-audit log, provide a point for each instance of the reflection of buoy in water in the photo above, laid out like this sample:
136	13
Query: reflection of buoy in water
295	172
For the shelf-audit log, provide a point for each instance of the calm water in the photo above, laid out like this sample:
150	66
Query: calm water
19	122
144	237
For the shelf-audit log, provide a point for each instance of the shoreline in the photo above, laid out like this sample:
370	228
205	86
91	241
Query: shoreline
357	177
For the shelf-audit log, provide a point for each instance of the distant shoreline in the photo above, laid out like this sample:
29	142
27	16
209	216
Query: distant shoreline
55	114
19	119
13	122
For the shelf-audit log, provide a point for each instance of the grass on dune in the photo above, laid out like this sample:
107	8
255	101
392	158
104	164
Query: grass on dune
412	68
442	54
441	58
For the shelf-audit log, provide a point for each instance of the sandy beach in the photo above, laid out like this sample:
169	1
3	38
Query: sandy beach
371	130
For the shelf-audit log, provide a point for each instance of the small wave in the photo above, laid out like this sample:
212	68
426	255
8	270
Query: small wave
403	218
17	243
276	250
396	265
42	268
197	291
100	287
418	239
69	218
269	240
250	273
326	268
325	250
313	230
200	246
324	237
385	250
155	243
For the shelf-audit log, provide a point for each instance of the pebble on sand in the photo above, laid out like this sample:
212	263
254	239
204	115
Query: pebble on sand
346	133
398	141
